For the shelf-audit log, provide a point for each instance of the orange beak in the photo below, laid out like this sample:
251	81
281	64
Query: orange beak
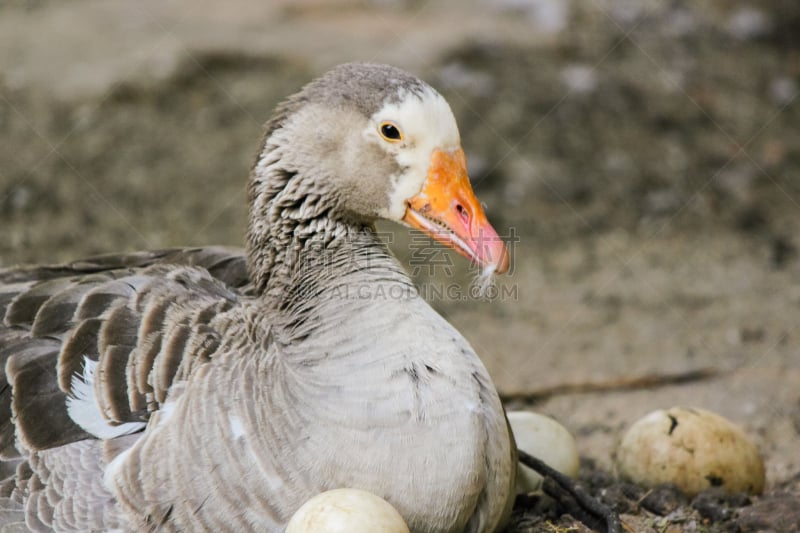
447	210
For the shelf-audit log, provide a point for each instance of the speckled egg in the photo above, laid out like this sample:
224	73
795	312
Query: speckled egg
693	448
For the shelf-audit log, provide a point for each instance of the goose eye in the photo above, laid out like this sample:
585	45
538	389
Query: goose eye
390	132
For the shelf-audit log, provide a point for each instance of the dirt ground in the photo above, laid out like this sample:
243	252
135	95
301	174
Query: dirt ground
644	157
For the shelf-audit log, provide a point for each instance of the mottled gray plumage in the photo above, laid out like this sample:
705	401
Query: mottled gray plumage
227	387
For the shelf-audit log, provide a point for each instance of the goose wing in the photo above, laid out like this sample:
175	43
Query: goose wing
89	349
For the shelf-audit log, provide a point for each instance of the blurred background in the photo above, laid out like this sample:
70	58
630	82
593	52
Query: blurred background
646	155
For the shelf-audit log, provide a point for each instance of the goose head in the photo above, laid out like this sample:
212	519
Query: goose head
382	144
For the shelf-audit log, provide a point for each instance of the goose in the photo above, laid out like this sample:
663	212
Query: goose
218	389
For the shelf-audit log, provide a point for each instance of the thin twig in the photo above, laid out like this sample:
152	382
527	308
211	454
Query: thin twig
614	384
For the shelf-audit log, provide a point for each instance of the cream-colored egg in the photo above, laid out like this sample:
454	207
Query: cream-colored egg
346	511
545	439
693	448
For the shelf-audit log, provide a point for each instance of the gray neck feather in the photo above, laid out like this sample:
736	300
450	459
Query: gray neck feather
299	238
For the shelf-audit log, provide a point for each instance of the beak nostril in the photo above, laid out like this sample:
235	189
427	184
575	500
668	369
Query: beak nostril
462	213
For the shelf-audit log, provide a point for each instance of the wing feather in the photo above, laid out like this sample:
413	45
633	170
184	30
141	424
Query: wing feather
170	359
23	308
56	313
80	344
144	319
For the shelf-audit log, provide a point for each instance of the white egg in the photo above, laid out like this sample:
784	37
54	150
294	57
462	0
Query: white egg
693	448
545	439
346	511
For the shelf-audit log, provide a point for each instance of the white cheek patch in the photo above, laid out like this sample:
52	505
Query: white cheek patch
427	123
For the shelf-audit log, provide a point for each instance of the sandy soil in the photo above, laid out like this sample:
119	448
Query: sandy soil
646	156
